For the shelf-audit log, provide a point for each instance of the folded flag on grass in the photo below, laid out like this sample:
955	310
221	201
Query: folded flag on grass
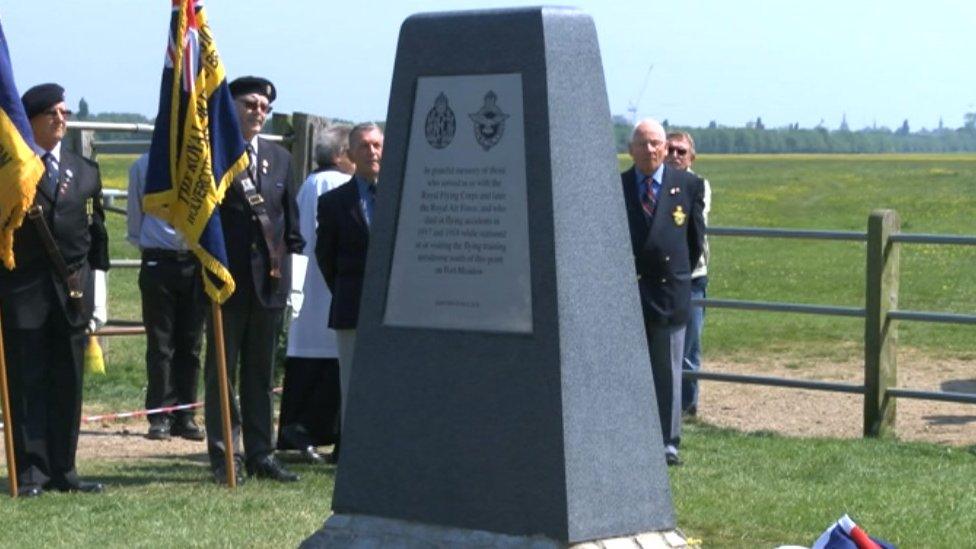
844	534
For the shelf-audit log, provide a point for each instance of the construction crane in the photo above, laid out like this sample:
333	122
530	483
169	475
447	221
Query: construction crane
632	109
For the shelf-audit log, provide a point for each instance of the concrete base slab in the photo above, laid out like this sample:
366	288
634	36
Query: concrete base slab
362	532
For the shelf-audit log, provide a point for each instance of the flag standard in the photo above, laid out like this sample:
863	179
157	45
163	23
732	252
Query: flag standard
197	147
20	167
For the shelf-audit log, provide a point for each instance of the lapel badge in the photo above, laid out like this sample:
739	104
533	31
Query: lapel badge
264	166
679	216
674	190
68	176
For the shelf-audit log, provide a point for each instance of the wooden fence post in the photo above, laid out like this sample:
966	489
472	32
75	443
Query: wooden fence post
880	333
81	142
307	128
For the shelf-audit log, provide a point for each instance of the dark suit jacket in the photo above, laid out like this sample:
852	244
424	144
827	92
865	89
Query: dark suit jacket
667	249
342	237
246	249
28	293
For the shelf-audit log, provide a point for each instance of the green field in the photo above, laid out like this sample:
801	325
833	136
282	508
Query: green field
737	490
931	193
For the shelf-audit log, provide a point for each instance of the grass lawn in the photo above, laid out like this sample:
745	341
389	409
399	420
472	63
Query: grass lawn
737	490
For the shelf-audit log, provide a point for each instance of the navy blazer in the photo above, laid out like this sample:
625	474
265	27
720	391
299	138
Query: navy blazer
243	238
667	249
77	222
342	237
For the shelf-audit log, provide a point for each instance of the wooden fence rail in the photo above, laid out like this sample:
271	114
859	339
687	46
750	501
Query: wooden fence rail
881	316
880	312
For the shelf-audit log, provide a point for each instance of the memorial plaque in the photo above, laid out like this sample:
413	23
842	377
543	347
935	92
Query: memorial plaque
461	254
501	394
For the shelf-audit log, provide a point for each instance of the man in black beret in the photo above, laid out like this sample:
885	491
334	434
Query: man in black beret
259	217
47	302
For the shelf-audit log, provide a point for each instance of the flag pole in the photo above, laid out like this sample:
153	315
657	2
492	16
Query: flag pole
218	323
8	424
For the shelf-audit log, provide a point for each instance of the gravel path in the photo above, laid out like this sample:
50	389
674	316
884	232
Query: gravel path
791	412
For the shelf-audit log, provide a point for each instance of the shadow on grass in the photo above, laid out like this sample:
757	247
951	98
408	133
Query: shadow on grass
959	385
177	470
139	474
949	420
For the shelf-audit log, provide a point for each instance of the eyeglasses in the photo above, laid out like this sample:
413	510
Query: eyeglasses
254	105
677	151
54	113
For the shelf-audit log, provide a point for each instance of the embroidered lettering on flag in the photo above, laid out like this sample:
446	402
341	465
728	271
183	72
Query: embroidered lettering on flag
197	148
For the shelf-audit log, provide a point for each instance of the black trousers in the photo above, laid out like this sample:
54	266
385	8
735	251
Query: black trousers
174	309
309	403
45	367
250	335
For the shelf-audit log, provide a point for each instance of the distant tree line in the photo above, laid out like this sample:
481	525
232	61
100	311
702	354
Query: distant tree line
756	138
84	114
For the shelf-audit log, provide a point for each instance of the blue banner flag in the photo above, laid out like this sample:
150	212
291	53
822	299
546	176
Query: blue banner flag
197	148
20	167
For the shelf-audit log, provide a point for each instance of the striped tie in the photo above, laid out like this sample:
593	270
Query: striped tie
252	168
647	198
50	180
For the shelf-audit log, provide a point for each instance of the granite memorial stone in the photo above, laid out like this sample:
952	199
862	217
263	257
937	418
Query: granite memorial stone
501	382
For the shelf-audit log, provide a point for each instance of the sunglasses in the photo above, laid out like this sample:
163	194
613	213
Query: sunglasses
54	113
254	105
677	151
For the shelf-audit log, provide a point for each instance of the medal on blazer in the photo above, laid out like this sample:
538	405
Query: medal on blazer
679	216
264	166
90	210
68	176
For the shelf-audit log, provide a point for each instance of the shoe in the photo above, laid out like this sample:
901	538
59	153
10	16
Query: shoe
312	456
83	487
671	456
691	411
159	428
186	427
220	472
30	491
269	467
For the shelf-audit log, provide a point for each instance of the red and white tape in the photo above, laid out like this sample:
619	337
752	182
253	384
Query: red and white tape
141	413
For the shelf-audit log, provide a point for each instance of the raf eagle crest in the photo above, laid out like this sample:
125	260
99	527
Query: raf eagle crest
489	122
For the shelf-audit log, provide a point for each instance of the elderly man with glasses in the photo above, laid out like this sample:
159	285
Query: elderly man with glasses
48	302
259	217
681	154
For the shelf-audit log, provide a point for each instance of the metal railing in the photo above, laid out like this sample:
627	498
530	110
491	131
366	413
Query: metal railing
83	132
880	313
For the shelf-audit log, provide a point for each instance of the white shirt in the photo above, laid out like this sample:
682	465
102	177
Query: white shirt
309	335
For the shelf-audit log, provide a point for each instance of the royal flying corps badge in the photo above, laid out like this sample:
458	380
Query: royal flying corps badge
679	216
489	122
440	125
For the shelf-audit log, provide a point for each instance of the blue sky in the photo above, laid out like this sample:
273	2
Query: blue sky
878	62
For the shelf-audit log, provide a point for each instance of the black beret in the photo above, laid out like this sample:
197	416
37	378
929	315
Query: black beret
37	99
253	84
